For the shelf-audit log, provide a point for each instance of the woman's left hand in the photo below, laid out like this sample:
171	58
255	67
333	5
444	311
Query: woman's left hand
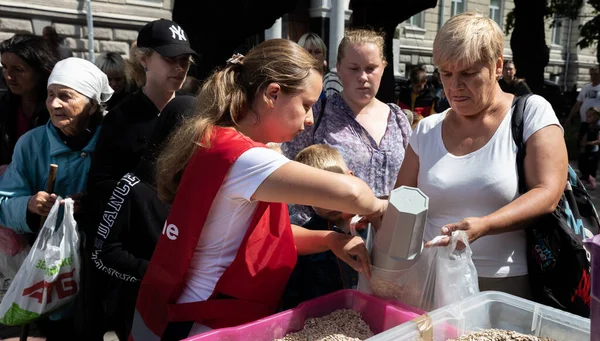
347	247
475	228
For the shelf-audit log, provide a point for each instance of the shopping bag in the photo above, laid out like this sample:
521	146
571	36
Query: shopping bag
11	243
456	276
438	276
49	277
13	250
9	266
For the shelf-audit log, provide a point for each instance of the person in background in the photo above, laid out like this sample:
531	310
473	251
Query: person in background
49	33
228	248
464	159
588	97
440	101
113	65
312	43
588	163
510	83
419	98
321	273
27	61
132	222
77	92
370	135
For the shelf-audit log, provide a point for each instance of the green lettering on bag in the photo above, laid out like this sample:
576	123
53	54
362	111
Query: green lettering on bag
16	316
53	269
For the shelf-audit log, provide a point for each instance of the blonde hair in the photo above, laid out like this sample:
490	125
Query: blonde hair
361	36
468	38
135	69
323	157
226	96
312	39
275	146
595	110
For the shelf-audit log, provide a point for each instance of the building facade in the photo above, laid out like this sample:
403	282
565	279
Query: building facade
116	22
569	64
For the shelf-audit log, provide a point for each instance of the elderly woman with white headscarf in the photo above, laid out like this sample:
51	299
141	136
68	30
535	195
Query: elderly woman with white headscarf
77	91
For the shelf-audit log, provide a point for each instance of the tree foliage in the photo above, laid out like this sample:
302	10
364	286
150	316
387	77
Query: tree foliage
590	31
560	8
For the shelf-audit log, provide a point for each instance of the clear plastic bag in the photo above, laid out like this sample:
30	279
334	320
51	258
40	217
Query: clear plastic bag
456	276
49	276
437	277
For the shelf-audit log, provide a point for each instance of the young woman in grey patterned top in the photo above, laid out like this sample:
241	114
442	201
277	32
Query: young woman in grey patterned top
371	136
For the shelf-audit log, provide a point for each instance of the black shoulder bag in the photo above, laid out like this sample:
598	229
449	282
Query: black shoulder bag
558	265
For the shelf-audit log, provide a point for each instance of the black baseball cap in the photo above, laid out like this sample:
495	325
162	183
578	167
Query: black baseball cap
165	37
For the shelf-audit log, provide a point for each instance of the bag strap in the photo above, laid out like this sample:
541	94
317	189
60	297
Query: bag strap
517	133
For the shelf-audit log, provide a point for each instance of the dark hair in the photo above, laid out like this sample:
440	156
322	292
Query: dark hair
53	36
418	75
37	53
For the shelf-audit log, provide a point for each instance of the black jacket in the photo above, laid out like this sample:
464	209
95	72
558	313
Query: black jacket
8	124
125	133
128	232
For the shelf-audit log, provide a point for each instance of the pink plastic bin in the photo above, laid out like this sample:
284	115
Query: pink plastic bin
380	315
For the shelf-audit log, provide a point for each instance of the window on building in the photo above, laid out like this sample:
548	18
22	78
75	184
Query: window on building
557	31
496	11
417	20
153	3
458	6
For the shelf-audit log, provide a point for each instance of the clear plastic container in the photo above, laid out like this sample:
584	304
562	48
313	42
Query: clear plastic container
493	309
380	315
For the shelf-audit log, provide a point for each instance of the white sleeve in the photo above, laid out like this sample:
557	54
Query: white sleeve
581	95
250	170
538	114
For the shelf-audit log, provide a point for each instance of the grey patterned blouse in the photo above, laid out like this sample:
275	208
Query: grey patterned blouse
378	166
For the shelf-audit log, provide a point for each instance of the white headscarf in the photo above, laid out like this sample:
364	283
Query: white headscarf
83	77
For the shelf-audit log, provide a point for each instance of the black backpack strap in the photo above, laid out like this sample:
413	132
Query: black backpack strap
517	133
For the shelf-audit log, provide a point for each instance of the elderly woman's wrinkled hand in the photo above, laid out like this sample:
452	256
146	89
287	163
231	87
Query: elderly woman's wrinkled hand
475	227
346	248
41	203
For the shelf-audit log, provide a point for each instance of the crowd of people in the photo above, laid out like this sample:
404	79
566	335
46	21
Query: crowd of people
182	195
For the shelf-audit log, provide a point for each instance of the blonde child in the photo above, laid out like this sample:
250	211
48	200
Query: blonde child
319	274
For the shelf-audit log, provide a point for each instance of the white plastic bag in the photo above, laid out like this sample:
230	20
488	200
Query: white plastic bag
9	266
438	276
456	276
13	250
49	277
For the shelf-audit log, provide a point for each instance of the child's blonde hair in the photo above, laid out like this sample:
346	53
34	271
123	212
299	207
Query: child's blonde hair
595	111
323	157
275	146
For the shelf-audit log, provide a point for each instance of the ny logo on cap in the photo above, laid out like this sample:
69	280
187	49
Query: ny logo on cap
177	31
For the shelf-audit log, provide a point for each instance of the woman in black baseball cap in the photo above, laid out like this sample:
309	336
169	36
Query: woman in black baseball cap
164	51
